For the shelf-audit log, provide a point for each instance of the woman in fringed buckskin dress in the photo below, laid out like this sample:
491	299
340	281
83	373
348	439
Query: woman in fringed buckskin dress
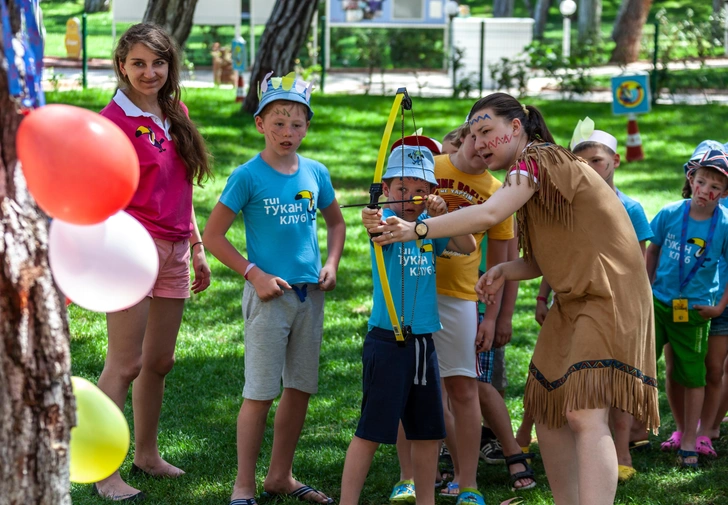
596	348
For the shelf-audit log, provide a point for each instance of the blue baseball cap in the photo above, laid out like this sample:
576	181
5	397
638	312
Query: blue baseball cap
418	163
702	148
288	87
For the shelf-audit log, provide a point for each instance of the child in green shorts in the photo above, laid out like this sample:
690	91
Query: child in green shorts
682	260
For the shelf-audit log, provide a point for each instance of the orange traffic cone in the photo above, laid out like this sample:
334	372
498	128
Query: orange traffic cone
634	141
240	91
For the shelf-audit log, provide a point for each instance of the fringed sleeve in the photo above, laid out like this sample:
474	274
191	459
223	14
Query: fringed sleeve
548	168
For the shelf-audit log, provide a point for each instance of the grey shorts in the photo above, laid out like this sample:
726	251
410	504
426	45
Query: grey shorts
282	341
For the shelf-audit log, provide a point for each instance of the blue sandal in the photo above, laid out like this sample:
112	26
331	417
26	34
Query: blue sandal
470	496
451	490
684	456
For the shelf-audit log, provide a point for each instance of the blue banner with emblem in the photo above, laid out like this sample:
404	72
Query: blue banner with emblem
631	93
240	55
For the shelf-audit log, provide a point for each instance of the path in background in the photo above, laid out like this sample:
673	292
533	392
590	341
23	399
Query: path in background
426	83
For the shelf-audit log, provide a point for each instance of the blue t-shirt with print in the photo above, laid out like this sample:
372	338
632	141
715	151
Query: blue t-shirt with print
419	283
667	229
637	215
279	212
722	265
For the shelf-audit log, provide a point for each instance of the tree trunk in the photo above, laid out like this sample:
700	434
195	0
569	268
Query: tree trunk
91	6
627	31
175	16
590	21
36	404
282	39
541	15
503	8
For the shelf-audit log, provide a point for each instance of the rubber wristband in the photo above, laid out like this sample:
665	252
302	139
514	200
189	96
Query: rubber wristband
196	243
542	299
248	269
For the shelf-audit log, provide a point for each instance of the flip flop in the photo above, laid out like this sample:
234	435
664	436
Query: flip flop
672	443
244	501
470	496
299	494
640	445
625	472
451	490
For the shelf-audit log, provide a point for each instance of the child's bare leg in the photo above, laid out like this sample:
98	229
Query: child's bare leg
494	410
523	435
250	430
287	428
356	466
717	351
558	451
463	393
450	431
424	455
675	392
622	426
723	407
404	454
596	455
692	408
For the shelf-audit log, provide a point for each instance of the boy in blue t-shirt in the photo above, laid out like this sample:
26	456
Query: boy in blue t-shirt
401	379
278	193
599	149
690	236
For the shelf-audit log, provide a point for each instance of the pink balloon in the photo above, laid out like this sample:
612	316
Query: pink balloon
105	267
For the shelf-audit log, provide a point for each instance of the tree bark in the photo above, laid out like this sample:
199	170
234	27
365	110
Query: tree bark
627	31
175	16
503	8
282	39
36	404
91	6
541	15
590	21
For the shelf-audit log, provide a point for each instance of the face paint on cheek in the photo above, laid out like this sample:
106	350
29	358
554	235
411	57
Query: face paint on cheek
712	196
505	139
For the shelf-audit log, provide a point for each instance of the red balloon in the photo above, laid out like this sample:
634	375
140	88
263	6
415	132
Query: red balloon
80	167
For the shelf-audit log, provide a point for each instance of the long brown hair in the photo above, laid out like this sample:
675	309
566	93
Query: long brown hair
505	106
188	140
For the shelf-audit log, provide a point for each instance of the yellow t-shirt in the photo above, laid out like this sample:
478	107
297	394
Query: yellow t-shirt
457	273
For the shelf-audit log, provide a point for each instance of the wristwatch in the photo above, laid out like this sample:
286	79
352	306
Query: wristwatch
421	229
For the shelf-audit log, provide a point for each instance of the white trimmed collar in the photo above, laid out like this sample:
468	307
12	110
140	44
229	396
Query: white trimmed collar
132	110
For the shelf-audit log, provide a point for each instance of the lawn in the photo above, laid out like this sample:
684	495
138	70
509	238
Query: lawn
203	395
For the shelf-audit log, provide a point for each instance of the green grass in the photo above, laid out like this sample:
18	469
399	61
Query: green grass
203	395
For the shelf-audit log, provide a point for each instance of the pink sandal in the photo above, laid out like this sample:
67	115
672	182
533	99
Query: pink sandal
704	446
672	443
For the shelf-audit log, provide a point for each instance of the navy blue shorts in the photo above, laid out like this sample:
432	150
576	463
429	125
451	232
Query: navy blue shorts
400	383
719	325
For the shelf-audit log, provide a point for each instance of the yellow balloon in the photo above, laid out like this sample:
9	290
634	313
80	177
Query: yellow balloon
100	440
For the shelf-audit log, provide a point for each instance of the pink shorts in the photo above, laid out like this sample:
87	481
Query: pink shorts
173	279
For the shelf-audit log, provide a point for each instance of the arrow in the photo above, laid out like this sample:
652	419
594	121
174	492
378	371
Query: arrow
417	200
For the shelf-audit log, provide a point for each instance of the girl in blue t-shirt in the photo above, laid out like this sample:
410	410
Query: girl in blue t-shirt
682	263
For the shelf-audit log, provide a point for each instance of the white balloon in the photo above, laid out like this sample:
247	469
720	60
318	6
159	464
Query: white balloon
105	267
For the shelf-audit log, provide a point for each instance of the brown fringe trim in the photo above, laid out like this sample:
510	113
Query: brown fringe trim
593	389
548	203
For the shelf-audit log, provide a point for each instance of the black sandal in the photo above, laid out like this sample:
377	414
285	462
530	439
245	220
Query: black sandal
528	473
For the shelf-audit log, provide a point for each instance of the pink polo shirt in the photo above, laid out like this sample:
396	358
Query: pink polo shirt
163	200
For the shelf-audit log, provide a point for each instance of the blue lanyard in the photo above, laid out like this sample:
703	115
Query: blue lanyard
32	56
683	245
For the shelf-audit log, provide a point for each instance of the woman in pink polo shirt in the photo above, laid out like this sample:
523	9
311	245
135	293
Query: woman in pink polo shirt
172	157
